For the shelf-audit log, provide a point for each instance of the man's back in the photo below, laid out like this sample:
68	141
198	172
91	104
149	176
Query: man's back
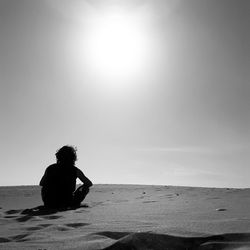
59	184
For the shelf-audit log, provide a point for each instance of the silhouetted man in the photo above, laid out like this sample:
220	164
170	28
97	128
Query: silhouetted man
59	181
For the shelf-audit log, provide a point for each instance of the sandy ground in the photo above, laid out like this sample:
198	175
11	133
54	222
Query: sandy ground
128	217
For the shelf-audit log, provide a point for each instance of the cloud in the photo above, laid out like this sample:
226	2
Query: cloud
198	149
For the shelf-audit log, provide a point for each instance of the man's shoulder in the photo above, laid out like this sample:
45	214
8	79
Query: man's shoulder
77	169
52	166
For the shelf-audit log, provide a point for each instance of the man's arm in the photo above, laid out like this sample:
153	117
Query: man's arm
83	178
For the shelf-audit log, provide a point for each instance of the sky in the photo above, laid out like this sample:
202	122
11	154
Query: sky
149	91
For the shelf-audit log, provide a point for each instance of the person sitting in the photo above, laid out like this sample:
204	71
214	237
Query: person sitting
59	181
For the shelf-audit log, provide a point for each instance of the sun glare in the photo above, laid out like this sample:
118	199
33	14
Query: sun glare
114	47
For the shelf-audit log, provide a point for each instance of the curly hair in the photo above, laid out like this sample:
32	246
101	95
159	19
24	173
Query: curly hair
66	154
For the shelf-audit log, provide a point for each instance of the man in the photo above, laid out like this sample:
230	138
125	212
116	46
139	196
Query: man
59	181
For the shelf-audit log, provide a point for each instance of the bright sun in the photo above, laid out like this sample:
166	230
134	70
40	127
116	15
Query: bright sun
114	47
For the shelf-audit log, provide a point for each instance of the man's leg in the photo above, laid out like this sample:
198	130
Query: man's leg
79	195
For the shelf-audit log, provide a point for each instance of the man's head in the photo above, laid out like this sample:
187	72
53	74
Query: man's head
66	154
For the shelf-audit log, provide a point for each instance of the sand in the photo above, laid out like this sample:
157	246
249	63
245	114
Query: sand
128	217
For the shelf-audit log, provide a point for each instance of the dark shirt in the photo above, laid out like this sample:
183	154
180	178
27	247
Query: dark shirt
59	184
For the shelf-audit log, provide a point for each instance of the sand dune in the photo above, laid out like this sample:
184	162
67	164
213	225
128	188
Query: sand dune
128	217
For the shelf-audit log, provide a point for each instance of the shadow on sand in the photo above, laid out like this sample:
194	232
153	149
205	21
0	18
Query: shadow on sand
42	210
31	213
